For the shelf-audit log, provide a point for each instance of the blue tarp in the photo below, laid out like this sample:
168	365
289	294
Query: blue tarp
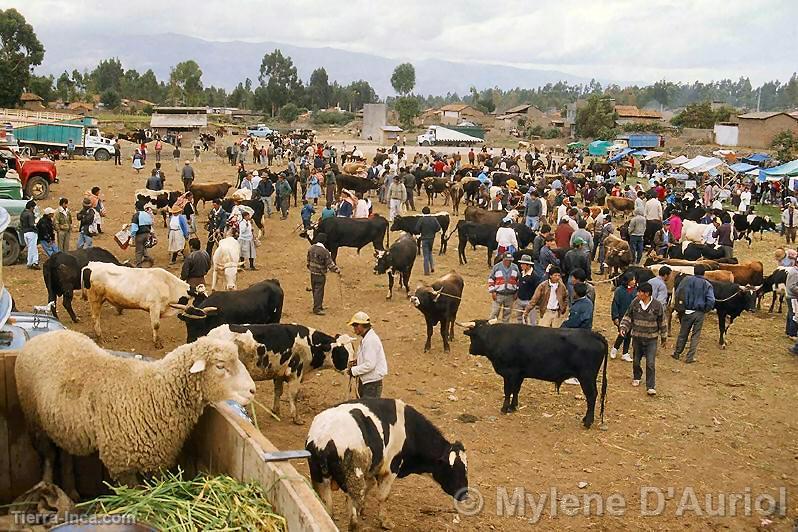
756	158
789	169
741	168
620	155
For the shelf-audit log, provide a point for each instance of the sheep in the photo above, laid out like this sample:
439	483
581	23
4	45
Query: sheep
137	414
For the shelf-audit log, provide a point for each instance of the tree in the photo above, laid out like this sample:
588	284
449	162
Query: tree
185	83
403	79
786	144
319	90
407	107
43	86
242	96
65	88
107	75
484	101
20	51
149	89
596	119
110	99
354	95
699	115
289	112
279	77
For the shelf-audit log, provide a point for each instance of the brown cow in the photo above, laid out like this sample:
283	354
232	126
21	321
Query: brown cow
436	185
719	275
617	256
595	211
456	193
209	192
748	273
484	216
618	204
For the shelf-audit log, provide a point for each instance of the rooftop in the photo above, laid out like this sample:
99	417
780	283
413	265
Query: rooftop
30	97
178	120
632	111
764	115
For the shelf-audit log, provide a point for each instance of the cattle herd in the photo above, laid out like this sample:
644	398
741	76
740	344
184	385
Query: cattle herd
372	442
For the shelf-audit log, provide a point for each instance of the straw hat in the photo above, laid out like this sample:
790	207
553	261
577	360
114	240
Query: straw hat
176	209
48	211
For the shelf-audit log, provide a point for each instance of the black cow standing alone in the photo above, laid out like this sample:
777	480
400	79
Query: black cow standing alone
399	258
259	303
62	275
409	223
350	232
371	442
439	303
518	352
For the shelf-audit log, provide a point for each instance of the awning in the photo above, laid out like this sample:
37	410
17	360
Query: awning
741	168
701	164
789	169
599	147
680	160
756	158
620	155
647	155
575	145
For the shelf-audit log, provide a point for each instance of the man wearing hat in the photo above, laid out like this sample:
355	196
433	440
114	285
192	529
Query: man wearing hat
503	287
46	229
319	263
283	190
527	283
371	367
187	175
86	226
246	237
396	195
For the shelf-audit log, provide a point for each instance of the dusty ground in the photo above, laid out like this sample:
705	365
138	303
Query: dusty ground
722	426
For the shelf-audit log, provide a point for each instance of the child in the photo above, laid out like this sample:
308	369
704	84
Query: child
307	213
245	238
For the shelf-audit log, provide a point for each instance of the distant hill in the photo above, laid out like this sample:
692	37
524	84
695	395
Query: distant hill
224	64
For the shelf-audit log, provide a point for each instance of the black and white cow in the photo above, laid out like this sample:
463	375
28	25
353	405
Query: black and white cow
776	282
370	443
439	303
288	353
399	259
258	303
748	224
519	352
160	200
408	224
694	251
350	232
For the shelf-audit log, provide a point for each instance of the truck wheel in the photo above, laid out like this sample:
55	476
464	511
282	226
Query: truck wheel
31	150
11	248
101	155
425	143
37	188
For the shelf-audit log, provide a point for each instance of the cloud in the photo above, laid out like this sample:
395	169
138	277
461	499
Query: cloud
609	39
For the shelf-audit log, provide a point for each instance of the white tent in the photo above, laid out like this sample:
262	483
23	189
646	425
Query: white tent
701	164
678	161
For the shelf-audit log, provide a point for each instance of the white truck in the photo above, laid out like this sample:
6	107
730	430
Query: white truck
439	135
260	130
43	132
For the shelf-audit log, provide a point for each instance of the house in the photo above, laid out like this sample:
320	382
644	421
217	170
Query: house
428	117
631	114
757	129
454	113
31	102
526	114
187	121
81	108
570	116
390	134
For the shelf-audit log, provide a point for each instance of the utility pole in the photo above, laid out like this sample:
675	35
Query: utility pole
758	98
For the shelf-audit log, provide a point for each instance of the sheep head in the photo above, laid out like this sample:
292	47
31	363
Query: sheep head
222	376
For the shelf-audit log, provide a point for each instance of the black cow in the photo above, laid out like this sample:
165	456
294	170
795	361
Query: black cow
160	200
291	354
437	185
350	233
731	300
355	183
259	303
748	224
409	223
371	442
477	235
640	273
62	274
776	282
518	352
399	258
439	304
255	204
695	251
470	189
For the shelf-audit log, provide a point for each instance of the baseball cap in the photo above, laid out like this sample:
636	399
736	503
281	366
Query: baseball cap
360	318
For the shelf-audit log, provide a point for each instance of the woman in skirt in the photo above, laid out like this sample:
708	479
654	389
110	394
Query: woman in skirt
314	188
138	161
178	232
246	237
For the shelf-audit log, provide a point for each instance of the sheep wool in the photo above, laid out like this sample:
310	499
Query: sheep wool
137	414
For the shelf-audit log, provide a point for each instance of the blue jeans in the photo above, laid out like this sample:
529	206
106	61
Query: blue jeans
426	252
84	241
636	243
49	248
792	327
532	222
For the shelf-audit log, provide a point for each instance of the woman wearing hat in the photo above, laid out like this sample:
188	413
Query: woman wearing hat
246	237
46	229
178	232
371	366
87	217
138	161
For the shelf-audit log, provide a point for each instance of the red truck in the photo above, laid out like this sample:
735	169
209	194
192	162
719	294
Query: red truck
36	174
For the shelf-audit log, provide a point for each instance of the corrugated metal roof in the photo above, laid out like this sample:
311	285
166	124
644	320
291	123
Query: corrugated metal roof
179	121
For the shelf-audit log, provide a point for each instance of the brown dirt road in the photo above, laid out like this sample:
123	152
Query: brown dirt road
722	426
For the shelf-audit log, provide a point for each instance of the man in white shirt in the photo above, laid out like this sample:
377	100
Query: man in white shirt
711	232
371	366
506	239
653	209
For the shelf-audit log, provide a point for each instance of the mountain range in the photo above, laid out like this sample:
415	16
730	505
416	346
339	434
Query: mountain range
224	64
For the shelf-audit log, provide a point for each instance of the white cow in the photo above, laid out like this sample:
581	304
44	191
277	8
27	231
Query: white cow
226	259
152	289
693	231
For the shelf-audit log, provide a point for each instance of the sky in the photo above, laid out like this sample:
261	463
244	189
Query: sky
641	40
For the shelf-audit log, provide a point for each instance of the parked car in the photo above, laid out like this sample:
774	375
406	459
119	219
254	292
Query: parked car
36	175
11	206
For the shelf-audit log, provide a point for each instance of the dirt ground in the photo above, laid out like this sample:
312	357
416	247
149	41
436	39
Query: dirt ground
722	426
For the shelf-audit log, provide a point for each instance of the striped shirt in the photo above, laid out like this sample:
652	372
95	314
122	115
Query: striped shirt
645	323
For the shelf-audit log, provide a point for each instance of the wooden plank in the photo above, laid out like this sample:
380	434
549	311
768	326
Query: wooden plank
5	470
24	461
219	448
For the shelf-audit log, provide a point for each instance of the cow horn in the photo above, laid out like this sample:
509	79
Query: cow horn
178	306
192	316
466	325
209	310
494	321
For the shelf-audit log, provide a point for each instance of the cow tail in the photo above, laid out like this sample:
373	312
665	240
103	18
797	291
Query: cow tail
48	282
604	378
85	282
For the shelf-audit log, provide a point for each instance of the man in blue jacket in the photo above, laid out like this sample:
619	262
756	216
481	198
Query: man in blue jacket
696	296
581	316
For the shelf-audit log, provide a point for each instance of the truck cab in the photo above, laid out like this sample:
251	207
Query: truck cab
260	130
97	146
35	175
427	138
